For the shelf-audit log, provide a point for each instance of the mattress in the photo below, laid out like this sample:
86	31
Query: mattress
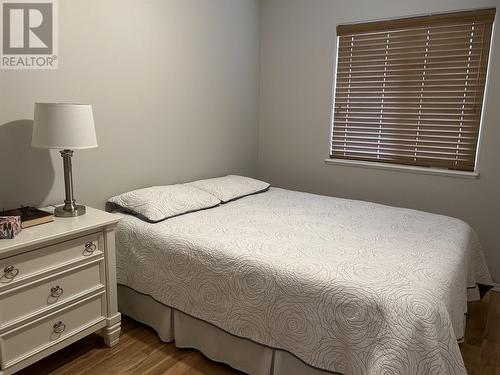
345	286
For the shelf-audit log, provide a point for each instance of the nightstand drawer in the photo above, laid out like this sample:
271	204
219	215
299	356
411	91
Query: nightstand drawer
34	337
17	303
23	266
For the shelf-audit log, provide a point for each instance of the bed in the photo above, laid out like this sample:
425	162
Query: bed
284	282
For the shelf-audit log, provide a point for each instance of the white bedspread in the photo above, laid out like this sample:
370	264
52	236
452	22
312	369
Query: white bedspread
346	286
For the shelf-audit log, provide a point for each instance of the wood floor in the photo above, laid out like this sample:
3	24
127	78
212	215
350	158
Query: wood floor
141	352
481	349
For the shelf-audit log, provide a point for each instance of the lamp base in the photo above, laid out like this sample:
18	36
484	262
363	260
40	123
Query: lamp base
77	211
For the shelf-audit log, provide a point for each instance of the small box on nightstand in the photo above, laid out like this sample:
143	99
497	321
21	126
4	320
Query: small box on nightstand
10	226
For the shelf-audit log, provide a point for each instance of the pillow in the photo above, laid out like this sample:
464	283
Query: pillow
158	203
231	187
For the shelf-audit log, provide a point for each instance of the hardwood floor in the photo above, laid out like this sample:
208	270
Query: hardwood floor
141	352
481	349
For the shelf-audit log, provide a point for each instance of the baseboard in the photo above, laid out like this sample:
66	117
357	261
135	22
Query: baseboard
496	287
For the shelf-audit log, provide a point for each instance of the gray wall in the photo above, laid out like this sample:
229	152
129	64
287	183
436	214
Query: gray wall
174	84
175	89
297	60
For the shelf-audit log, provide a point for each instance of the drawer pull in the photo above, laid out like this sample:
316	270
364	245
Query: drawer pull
10	272
90	247
56	291
59	327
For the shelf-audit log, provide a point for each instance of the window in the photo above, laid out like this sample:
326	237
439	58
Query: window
410	91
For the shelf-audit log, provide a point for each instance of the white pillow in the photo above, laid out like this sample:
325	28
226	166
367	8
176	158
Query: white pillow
231	187
158	203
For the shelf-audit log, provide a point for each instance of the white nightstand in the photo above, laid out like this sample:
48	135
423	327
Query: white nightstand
57	285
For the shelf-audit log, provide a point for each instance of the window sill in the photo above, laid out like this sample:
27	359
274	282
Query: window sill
404	168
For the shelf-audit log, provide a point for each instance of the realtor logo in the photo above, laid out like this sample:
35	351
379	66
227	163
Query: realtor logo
29	34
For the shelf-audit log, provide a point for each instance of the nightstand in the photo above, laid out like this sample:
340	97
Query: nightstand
57	285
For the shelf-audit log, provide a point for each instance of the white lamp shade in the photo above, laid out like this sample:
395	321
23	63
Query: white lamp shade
63	126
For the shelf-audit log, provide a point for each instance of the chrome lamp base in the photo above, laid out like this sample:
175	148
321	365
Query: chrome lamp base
77	210
70	208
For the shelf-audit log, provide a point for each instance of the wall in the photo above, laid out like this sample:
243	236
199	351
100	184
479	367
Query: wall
174	85
297	58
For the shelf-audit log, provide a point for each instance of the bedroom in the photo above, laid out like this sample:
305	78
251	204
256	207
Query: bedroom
186	90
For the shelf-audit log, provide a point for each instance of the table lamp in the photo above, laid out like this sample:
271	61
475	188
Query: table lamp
64	127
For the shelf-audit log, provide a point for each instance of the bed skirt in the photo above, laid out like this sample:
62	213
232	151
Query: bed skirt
216	344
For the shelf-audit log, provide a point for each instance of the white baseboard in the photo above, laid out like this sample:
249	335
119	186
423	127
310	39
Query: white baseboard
496	287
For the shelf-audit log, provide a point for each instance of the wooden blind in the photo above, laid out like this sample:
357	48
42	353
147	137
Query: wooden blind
410	91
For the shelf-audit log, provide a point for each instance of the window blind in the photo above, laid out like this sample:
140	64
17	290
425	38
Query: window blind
410	91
